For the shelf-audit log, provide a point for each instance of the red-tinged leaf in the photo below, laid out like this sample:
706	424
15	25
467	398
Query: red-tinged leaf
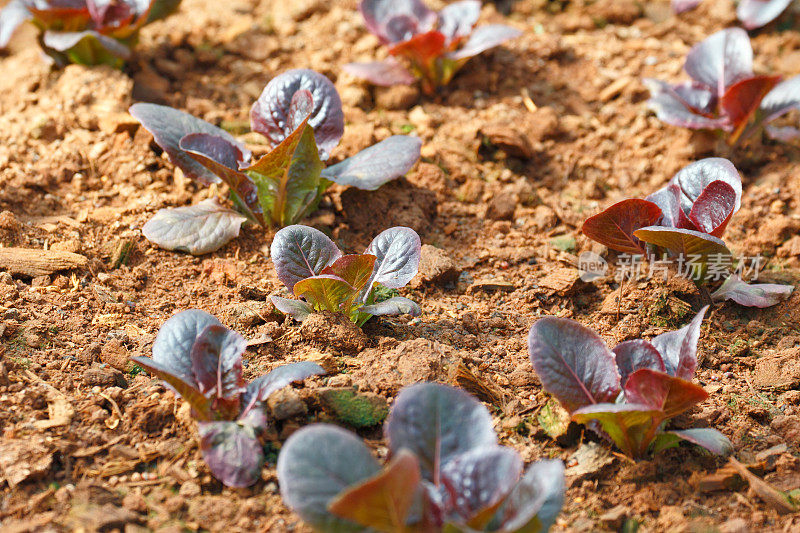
299	252
635	355
742	99
573	363
201	406
484	38
421	49
70	14
355	269
678	348
751	294
325	292
383	501
457	19
662	392
695	177
232	451
393	21
714	208
782	99
710	439
674	105
615	226
384	73
696	249
535	502
172	348
756	13
217	363
721	59
632	427
669	200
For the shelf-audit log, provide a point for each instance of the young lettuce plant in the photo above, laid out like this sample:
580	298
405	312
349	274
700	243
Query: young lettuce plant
201	361
300	115
687	218
88	32
724	94
752	13
312	267
446	472
435	45
629	392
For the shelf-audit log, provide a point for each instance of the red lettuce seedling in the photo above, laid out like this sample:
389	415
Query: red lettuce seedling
631	391
201	361
686	218
446	472
88	32
435	45
752	13
300	114
312	267
724	94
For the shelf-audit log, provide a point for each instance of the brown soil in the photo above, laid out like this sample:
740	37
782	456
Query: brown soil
502	190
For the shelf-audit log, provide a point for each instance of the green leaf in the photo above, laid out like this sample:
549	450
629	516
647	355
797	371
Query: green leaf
288	178
554	419
696	248
325	292
355	269
632	427
383	501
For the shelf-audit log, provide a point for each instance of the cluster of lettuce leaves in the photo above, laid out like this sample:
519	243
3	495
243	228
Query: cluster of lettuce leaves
687	219
434	44
724	94
752	13
201	361
313	268
446	472
628	393
87	32
300	115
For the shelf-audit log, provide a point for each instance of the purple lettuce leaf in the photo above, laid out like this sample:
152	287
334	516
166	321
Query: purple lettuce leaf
197	229
297	309
783	134
384	73
751	295
355	269
475	483
11	17
635	355
393	21
573	363
64	41
484	38
299	252
274	115
713	209
457	19
756	13
262	387
721	59
315	465
378	164
661	392
437	423
217	362
173	345
670	107
782	99
668	199
535	501
186	388
678	348
681	6
169	126
397	251
710	439
232	450
396	305
614	226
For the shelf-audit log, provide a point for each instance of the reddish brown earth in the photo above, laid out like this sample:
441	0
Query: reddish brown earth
527	141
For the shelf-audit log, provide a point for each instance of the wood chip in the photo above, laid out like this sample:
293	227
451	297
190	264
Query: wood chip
32	263
771	496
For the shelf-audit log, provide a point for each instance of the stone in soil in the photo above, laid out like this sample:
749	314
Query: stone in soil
435	267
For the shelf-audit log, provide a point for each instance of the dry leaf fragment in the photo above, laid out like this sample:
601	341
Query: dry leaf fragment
770	495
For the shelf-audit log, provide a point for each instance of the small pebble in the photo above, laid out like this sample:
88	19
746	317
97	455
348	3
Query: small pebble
136	476
113	480
96	390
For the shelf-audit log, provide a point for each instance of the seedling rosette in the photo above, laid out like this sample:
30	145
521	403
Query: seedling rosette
724	94
628	393
313	268
201	361
300	115
686	219
445	472
434	45
88	32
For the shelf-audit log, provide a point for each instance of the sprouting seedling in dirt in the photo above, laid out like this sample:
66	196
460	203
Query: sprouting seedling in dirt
312	267
87	32
752	13
628	393
687	219
445	472
300	115
724	94
201	360
435	45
